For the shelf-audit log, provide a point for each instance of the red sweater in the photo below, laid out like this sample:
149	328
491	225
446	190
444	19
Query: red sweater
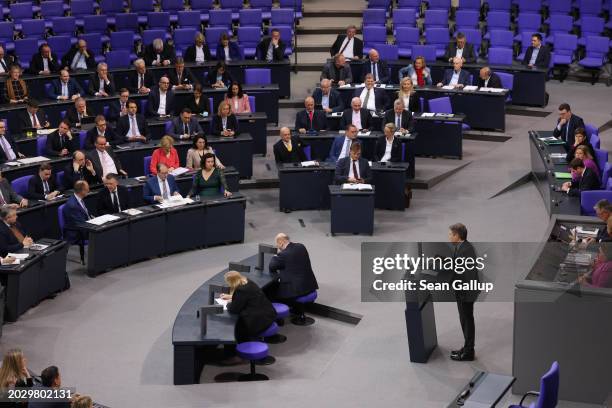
159	156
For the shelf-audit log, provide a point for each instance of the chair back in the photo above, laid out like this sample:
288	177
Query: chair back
20	185
59	178
549	388
41	144
588	199
252	103
147	165
307	152
440	105
60	219
601	156
257	76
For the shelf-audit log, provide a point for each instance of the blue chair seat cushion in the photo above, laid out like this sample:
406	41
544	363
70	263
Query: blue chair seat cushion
270	331
562	59
308	298
590	62
252	350
282	310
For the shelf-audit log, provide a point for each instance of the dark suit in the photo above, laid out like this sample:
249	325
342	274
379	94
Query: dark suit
466	299
336	149
380	98
302	120
381	146
37	65
73	117
123	126
336	104
330	71
74	215
357	46
71	176
217	124
11	142
56	143
36	190
343	167
296	155
190	53
153	102
94	85
89	61
186	78
494	81
278	53
212	77
234	52
149	81
105	204
255	312
8	194
6	62
151	188
381	67
468	52
405	120
114	110
73	88
178	128
167	53
413	103
8	240
347	118
296	277
588	181
25	119
109	134
464	77
94	157
201	106
542	60
567	131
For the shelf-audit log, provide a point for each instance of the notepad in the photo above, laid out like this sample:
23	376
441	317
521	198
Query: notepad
563	175
38	247
310	163
132	211
179	170
31	160
427	115
103	219
470	88
357	186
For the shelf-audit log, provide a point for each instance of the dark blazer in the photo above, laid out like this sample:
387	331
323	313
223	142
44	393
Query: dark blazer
187	77
494	82
466	250
97	165
464	77
357	46
588	181
104	203
335	100
255	311
153	102
336	148
568	130
217	124
11	142
177	127
114	110
7	61
343	168
73	88
347	117
278	53
55	143
8	241
212	77
330	71
381	146
25	121
149	81
10	196
190	53
295	272
380	98
383	71
94	85
73	117
406	119
319	120
36	64
36	190
167	54
542	60
468	52
71	176
201	106
296	155
74	215
234	52
89	61
123	126
111	137
413	104
151	188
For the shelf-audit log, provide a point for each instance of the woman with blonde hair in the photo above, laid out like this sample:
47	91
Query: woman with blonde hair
407	94
165	154
583	153
224	122
15	89
14	371
81	401
418	72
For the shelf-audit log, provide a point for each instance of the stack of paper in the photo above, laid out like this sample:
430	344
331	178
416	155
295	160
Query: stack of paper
31	160
103	219
45	131
345	86
179	170
428	114
587	232
448	87
558	155
18	258
357	186
309	163
470	88
175	201
132	211
12	163
358	86
222	302
365	133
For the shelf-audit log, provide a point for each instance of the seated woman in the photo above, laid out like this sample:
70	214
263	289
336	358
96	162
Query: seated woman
14	371
601	276
225	122
227	50
388	147
580	139
198	103
165	154
582	152
238	100
209	180
219	76
15	88
197	151
419	73
407	94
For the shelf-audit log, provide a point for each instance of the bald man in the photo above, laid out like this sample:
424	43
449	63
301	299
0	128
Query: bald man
328	98
488	79
289	149
377	67
292	263
456	77
310	119
356	115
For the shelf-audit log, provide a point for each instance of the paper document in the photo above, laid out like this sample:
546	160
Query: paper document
357	186
358	86
179	170
364	133
470	88
30	160
12	163
141	178
103	219
336	114
132	211
428	114
448	87
381	85
222	302
175	201
496	90
558	155
346	86
38	247
588	232
19	256
309	163
45	131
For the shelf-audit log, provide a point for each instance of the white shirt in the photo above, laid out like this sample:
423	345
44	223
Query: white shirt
534	56
348	50
406	100
371	100
356	118
133	124
227	54
45	64
64	89
486	82
161	187
107	162
2	68
387	155
101	86
459	53
325	101
8	150
78	61
345	148
200	54
455	78
351	174
162	103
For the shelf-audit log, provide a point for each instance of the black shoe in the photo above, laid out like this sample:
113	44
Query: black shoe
463	356
456	352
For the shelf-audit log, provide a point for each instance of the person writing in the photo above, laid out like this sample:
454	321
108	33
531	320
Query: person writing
12	237
166	154
209	180
225	122
161	188
584	179
353	169
601	275
196	153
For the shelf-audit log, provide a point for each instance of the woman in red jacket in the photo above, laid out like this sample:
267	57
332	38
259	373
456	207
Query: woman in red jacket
165	154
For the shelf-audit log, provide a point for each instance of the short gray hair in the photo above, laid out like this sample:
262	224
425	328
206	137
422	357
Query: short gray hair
102	65
158	43
398	102
138	62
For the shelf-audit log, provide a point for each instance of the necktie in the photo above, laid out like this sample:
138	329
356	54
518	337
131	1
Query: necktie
185	129
375	71
45	187
8	151
288	146
140	80
398	121
366	99
269	55
310	116
17	233
3	64
34	121
84	209
179	75
61	140
355	172
567	131
116	204
134	127
2	200
164	190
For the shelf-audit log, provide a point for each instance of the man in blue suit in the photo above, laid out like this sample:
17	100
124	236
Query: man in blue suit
160	188
65	88
327	98
354	168
377	67
76	212
342	144
456	76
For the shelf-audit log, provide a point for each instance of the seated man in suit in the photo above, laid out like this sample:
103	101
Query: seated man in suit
75	213
567	124
101	129
353	169
101	83
104	160
292	264
118	108
77	112
537	54
12	237
584	179
44	62
199	52
9	197
356	115
161	100
9	150
388	147
372	99
42	186
181	77
132	126
161	187
289	149
5	62
114	198
159	53
79	58
61	142
328	98
399	116
65	88
377	67
80	168
271	48
309	119
32	117
488	79
341	145
142	80
460	49
348	45
337	71
455	77
185	126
